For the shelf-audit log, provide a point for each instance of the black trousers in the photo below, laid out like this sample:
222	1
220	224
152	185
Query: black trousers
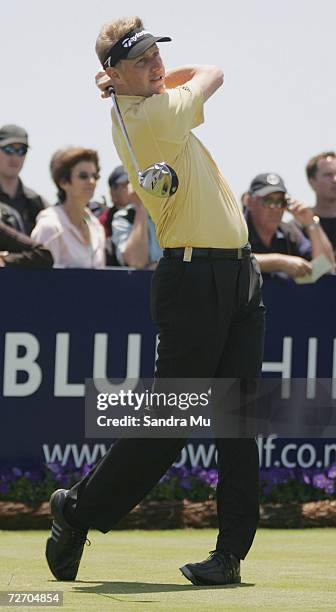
210	317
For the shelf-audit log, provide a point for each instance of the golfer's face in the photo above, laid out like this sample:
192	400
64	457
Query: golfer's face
144	75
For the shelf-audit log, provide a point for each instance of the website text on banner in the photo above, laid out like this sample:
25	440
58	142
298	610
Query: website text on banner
96	324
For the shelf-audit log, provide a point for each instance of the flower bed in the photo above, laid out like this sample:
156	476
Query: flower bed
193	484
183	497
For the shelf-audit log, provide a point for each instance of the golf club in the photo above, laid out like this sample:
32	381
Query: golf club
160	179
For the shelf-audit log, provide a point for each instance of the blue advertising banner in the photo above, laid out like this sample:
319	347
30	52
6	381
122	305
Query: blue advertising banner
59	327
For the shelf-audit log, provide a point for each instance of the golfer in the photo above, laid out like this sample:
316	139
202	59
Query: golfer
206	303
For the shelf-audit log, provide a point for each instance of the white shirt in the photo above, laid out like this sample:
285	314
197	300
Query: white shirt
56	232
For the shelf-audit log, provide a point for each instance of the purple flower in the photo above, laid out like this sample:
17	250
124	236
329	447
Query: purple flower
4	487
6	476
34	475
330	488
196	470
86	469
320	481
209	477
63	479
181	472
185	483
10	474
332	471
306	478
16	472
272	477
276	476
55	468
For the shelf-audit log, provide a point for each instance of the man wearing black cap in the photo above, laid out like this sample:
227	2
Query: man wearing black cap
13	193
130	232
282	247
206	303
120	197
133	231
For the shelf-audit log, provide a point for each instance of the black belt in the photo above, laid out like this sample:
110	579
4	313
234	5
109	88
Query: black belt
188	253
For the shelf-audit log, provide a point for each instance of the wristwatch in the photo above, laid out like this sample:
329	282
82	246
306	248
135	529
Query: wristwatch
314	224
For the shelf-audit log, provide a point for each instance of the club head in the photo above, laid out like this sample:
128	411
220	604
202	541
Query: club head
159	180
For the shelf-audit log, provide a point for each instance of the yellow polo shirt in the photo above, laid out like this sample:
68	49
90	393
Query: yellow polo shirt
203	212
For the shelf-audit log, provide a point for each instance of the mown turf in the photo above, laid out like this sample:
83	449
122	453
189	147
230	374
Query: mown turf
138	570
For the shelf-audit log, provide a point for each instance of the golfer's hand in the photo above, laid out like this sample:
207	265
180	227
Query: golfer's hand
295	266
103	81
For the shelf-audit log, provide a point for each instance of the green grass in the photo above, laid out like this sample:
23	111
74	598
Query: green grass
138	570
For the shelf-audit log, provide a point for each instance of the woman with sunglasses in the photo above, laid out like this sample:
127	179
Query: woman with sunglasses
69	230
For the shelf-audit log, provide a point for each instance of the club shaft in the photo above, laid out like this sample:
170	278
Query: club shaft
124	131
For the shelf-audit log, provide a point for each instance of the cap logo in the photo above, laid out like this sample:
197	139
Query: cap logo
129	42
272	179
123	48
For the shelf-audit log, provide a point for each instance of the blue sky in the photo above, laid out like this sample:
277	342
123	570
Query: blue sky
275	110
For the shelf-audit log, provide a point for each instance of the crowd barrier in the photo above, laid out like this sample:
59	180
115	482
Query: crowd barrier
59	327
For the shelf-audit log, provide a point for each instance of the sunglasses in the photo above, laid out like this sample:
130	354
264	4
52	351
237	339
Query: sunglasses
271	203
19	150
85	175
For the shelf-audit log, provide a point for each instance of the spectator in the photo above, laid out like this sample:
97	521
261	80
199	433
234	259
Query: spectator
321	174
27	203
129	226
243	199
120	196
282	247
134	236
17	249
69	229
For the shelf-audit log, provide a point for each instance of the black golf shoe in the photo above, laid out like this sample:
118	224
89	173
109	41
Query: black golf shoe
219	568
65	545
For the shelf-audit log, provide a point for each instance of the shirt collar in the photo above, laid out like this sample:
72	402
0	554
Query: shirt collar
21	190
254	236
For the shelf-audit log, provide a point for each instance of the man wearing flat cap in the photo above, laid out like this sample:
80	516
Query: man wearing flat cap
282	247
13	193
206	304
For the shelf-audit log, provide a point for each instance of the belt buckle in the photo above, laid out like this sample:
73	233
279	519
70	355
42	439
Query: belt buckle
187	255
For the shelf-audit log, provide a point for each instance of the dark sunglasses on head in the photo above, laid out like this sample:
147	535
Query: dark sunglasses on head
19	150
85	175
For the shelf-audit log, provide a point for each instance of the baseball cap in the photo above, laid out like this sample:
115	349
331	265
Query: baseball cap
131	45
263	184
118	176
12	134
